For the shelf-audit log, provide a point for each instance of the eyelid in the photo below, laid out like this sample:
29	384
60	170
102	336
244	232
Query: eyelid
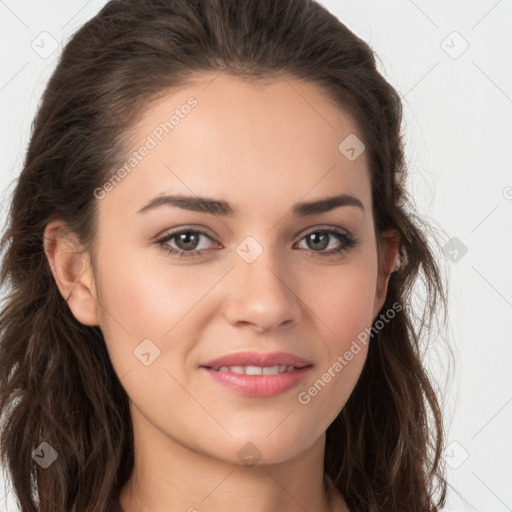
320	227
194	227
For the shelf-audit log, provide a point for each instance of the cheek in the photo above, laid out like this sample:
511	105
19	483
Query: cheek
344	306
345	311
343	299
145	295
144	298
147	316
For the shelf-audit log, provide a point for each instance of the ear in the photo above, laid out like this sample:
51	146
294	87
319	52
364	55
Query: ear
71	268
388	257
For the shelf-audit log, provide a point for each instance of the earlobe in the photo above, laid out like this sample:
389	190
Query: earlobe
71	269
388	256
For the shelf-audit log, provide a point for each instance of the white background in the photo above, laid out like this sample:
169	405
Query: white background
458	125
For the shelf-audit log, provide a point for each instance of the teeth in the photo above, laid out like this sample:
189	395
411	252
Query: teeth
257	370
235	369
253	370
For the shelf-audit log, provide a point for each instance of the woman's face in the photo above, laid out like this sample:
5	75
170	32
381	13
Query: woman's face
267	280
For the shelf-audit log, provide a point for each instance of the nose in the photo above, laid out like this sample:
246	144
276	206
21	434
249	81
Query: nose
261	293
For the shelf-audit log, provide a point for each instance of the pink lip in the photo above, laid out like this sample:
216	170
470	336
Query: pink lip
258	385
257	359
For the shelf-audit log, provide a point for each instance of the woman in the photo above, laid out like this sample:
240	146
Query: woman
211	255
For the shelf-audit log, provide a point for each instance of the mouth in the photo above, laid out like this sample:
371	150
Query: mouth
258	375
256	370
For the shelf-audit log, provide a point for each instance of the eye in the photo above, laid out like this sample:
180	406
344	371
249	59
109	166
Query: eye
187	242
319	239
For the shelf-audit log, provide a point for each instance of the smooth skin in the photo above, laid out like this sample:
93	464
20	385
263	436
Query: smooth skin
262	147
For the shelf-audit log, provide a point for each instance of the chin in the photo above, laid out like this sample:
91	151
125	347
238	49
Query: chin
261	448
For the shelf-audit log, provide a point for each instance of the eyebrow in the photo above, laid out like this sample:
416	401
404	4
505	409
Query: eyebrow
220	207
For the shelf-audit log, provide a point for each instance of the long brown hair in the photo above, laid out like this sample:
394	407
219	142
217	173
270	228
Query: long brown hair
57	384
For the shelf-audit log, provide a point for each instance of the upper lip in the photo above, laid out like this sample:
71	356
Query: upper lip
257	359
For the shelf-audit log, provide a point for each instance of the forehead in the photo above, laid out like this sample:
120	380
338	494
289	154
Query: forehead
251	143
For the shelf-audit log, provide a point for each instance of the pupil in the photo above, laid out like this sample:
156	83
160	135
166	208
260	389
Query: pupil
322	238
185	237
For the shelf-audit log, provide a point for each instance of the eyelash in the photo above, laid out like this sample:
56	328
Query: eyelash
348	242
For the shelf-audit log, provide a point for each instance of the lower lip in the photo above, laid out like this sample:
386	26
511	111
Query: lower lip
259	385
